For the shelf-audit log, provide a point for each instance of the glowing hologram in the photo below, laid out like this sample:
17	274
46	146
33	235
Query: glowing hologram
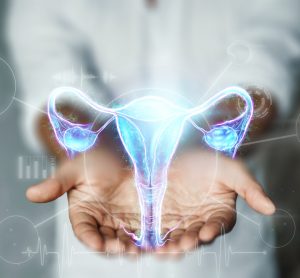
150	128
221	138
262	100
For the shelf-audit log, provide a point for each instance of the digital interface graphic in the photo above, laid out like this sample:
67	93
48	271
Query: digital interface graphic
150	128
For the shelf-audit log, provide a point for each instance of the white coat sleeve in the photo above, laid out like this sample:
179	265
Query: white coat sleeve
269	32
47	51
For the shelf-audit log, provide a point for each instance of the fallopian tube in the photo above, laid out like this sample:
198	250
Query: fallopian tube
150	128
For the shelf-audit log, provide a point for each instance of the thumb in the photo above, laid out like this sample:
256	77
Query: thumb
52	188
242	182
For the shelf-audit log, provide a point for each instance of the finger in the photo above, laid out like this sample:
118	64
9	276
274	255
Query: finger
53	188
240	180
218	223
107	232
46	191
171	248
132	250
129	247
176	233
113	245
86	229
190	239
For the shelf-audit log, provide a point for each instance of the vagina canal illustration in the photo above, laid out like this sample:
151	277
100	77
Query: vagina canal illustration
150	128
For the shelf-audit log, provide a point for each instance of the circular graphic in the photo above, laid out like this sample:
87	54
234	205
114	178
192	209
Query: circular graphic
19	239
8	86
298	128
262	101
285	225
240	52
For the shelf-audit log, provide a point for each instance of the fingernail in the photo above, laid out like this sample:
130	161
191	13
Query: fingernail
270	205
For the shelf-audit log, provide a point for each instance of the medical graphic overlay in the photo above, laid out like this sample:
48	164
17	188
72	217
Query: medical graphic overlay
150	128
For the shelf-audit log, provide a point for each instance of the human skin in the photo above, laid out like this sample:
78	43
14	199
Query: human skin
197	203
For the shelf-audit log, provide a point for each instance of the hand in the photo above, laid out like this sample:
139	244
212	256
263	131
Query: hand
200	199
101	199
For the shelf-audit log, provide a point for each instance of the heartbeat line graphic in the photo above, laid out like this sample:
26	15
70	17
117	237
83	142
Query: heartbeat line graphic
65	255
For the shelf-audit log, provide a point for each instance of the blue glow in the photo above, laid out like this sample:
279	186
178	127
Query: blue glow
150	128
150	108
79	139
151	146
221	138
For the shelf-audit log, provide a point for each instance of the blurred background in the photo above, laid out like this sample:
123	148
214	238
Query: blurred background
13	203
19	168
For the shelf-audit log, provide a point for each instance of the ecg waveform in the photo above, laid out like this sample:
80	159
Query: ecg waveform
224	254
65	255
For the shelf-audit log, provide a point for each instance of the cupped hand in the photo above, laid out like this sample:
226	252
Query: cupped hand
102	199
201	198
199	202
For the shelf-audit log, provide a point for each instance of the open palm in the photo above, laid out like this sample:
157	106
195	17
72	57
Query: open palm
201	198
199	202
